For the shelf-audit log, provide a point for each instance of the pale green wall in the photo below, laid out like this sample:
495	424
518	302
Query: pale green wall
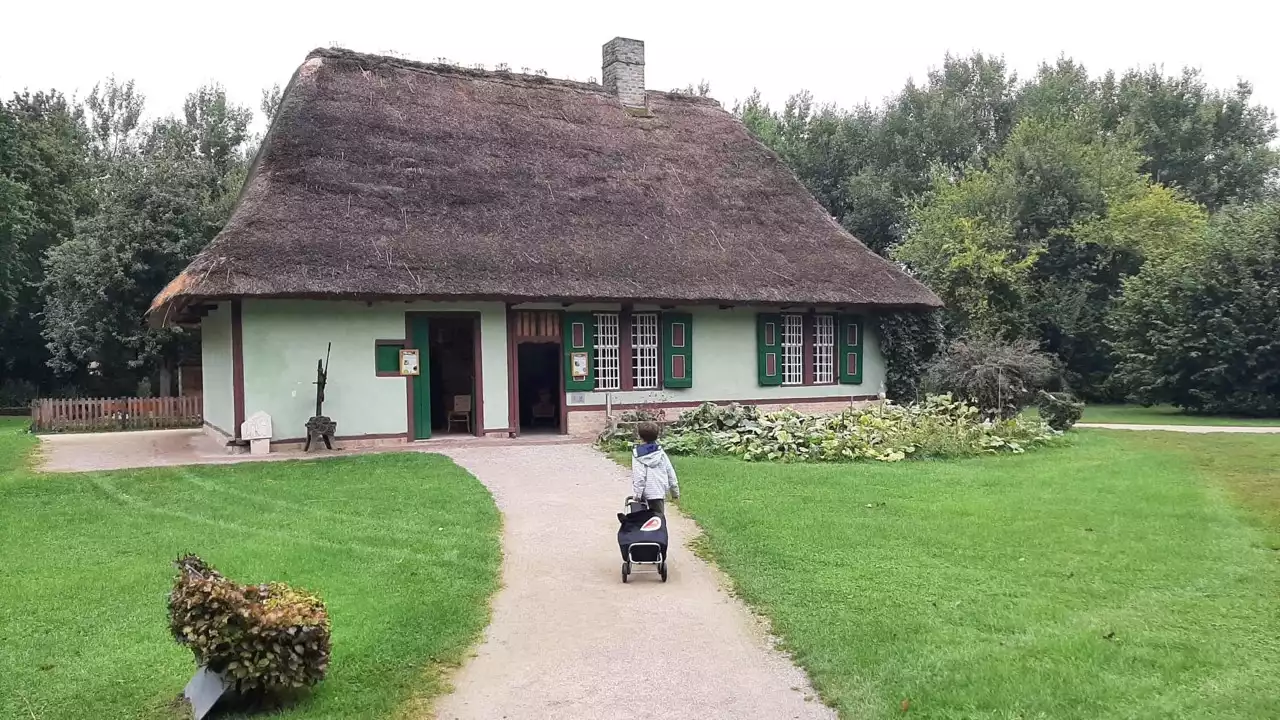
725	366
215	362
283	339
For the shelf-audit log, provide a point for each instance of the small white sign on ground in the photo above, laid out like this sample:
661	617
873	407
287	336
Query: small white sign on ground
203	691
257	430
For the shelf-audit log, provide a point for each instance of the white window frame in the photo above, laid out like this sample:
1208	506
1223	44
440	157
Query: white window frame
646	351
793	349
824	350
607	362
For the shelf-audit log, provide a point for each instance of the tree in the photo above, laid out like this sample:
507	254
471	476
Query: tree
43	190
1200	327
114	110
163	191
960	117
1212	144
1036	245
270	103
963	245
866	165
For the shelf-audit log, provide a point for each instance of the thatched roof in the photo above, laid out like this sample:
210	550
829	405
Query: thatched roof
382	178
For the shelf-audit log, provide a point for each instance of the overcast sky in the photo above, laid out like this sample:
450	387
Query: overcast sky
844	52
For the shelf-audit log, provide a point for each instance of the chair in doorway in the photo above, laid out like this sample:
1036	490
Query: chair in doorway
461	412
544	411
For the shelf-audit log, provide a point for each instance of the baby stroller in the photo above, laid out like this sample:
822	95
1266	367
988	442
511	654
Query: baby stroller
642	538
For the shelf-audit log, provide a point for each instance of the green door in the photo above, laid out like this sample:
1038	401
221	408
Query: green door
420	338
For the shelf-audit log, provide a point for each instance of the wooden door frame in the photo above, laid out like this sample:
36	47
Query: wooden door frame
513	370
478	362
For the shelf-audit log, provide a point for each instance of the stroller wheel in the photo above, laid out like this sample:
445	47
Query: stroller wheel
662	570
626	570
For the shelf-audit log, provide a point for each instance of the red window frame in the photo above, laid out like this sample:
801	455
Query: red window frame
809	340
626	364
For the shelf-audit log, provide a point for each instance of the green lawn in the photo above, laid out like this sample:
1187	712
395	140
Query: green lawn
1163	415
1125	576
404	548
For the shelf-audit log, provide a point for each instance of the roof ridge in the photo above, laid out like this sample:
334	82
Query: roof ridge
374	61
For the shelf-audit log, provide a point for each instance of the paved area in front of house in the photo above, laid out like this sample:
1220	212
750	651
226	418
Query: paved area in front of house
1196	429
569	640
83	452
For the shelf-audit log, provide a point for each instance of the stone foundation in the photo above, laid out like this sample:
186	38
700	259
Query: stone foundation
586	424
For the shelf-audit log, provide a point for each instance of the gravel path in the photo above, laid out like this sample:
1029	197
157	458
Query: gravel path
569	640
1196	429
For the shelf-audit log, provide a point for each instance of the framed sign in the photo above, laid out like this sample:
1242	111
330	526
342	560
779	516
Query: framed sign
579	364
409	362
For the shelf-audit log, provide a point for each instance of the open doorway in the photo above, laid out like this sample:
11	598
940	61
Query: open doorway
452	371
539	384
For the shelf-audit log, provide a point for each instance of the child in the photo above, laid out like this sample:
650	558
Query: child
652	475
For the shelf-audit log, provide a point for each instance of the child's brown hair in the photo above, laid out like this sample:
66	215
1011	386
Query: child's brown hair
648	431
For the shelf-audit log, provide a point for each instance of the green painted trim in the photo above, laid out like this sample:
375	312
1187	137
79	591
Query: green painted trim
579	339
677	327
419	336
386	358
769	345
852	343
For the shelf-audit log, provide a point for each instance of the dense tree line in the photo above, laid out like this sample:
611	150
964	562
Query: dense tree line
99	208
1045	209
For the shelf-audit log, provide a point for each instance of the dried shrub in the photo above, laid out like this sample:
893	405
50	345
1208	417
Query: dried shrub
1001	379
1059	410
266	638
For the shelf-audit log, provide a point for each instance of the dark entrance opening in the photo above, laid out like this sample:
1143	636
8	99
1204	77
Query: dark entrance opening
539	384
452	369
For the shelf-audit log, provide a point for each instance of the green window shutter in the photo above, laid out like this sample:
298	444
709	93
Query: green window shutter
677	350
579	340
769	348
849	361
386	359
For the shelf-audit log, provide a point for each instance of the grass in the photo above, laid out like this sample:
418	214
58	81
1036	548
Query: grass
1126	576
404	549
1164	415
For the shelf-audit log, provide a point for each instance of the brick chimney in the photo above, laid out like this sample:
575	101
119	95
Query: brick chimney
624	70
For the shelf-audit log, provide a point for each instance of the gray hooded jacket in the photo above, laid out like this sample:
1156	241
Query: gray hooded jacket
652	475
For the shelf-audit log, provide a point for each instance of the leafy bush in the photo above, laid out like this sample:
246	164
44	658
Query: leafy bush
909	339
939	427
1059	410
1198	327
265	638
999	378
710	417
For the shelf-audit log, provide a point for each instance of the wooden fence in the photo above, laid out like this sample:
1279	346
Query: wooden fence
102	414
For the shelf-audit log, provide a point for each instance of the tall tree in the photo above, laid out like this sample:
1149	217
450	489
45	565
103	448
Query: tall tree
164	191
43	189
114	111
1213	144
1037	244
865	165
1200	327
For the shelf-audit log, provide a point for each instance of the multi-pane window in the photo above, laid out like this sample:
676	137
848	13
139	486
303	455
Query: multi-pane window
824	349
644	351
608	366
792	349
